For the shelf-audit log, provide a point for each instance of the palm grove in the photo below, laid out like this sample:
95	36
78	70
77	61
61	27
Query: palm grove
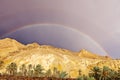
96	73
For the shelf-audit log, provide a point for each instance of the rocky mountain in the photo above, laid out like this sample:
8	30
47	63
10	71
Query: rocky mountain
50	57
8	45
87	54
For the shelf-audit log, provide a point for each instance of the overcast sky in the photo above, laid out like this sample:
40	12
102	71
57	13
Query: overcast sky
98	19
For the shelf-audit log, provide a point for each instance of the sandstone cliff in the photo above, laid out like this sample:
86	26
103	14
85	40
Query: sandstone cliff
50	57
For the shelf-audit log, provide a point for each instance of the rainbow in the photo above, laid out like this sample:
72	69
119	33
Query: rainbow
72	29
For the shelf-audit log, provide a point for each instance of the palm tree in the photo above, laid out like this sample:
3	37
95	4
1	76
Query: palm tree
12	69
96	72
113	74
79	71
55	72
29	66
118	74
105	73
1	64
63	74
38	70
23	70
30	71
48	73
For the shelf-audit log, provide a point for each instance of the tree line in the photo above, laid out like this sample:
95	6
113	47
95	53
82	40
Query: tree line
96	73
104	73
32	71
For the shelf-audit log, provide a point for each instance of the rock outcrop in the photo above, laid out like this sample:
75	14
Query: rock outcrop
50	57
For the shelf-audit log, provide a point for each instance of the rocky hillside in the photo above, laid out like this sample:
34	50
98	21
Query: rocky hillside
9	45
50	57
87	54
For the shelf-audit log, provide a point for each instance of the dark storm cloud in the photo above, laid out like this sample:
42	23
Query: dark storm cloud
98	19
56	35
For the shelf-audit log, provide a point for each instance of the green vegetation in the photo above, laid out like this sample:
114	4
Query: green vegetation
63	74
32	71
104	73
38	70
12	69
48	73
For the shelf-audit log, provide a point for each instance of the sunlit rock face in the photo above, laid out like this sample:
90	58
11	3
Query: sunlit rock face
50	57
9	45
